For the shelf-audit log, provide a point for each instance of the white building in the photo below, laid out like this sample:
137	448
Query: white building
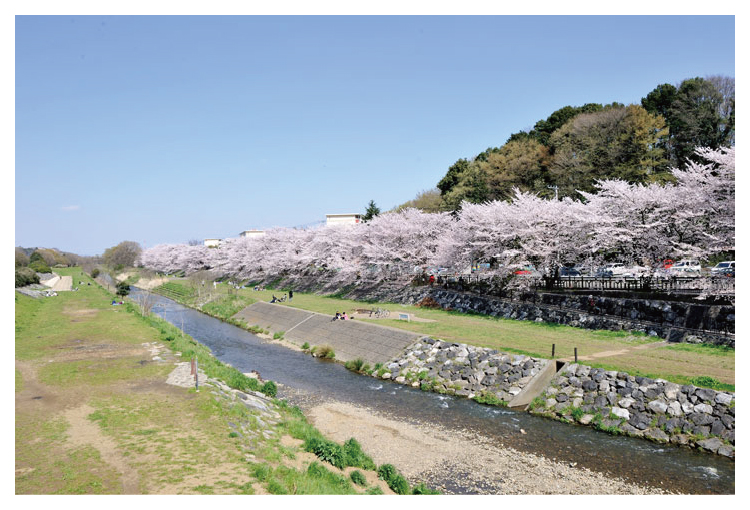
343	219
212	243
252	233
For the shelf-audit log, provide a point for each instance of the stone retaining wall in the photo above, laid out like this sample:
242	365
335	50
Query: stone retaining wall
463	370
641	407
656	318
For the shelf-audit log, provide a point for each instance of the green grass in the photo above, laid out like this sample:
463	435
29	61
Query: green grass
225	307
82	347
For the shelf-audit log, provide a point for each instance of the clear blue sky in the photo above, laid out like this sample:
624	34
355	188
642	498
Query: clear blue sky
165	129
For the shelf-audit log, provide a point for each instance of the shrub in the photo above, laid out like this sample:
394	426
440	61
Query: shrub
355	365
40	266
374	491
305	346
489	398
278	335
269	388
358	478
421	488
326	351
94	272
326	450
26	276
354	456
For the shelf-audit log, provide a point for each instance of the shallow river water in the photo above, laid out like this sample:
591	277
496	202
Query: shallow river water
643	462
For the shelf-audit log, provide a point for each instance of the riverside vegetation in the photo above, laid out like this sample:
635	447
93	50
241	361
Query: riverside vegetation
94	414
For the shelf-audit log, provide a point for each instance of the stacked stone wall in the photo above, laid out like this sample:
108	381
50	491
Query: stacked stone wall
656	318
463	370
642	407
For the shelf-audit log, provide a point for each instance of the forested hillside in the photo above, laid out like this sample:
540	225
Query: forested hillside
573	148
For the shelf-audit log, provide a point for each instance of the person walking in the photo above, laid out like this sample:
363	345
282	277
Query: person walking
291	294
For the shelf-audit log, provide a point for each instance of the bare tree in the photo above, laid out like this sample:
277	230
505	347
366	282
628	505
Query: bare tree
146	301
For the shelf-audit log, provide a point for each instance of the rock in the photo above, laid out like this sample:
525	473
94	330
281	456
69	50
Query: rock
726	451
589	385
680	439
400	379
724	398
386	375
675	409
671	391
701	419
711	444
550	402
586	419
687	407
625	402
705	394
657	435
704	408
657	406
621	413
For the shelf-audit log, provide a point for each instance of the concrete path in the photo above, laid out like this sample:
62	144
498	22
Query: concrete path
64	283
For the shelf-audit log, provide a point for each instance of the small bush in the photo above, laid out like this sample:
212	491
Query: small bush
305	346
394	479
268	388
354	456
326	351
421	488
355	365
358	478
278	335
326	450
374	491
489	399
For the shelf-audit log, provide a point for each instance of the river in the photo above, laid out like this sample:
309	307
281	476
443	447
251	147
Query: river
636	460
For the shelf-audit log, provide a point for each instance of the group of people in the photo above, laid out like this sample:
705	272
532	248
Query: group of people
341	317
274	299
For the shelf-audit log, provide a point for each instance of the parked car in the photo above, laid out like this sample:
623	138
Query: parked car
569	271
528	271
727	271
723	267
686	268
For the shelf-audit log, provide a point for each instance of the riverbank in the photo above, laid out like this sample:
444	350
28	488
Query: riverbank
96	411
435	455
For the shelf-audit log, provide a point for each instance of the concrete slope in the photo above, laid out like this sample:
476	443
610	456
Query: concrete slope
536	386
350	339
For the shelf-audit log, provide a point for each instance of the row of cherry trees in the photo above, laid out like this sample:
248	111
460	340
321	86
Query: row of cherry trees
630	223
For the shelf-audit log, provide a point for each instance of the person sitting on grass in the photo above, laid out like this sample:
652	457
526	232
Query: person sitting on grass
344	317
336	317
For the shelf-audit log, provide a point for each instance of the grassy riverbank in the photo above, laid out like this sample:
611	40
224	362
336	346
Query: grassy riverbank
94	414
635	354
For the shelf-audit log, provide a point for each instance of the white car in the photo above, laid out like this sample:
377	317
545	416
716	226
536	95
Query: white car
686	268
722	267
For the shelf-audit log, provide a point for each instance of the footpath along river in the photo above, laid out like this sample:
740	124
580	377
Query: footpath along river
307	382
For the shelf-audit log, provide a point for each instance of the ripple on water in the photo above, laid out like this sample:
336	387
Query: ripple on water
707	472
376	387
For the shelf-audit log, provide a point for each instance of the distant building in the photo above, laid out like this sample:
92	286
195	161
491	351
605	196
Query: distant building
343	219
252	233
212	243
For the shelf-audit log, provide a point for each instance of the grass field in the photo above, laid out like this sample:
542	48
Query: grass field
93	414
678	363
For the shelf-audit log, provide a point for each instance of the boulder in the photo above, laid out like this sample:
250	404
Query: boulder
621	413
657	406
712	444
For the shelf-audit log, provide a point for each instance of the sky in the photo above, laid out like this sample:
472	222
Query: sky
164	129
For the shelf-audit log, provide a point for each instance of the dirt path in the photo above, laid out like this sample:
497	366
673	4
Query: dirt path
619	352
432	455
64	283
83	432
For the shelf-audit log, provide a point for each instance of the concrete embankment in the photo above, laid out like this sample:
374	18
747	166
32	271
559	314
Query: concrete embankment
350	339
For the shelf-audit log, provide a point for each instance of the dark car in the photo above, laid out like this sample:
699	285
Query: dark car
569	271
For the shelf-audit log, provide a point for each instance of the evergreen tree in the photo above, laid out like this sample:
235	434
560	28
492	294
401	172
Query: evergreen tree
372	211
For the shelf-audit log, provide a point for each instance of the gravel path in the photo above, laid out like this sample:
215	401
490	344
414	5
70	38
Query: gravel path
438	457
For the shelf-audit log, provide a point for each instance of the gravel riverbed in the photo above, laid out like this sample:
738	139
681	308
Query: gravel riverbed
428	453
